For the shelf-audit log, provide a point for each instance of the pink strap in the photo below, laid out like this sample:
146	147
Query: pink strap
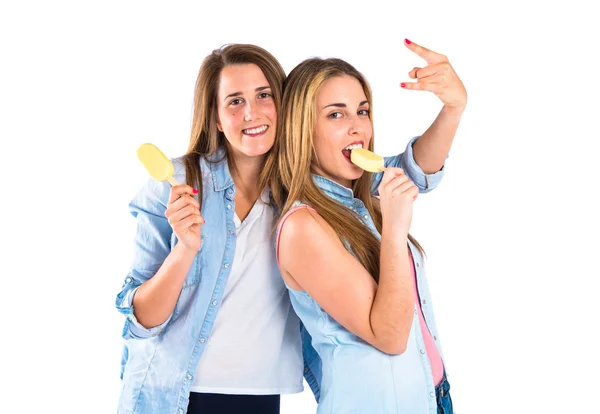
283	219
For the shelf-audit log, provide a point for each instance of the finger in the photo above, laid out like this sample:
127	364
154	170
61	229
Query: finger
403	188
396	182
183	201
420	73
413	73
179	190
413	86
428	55
389	174
181	214
189	222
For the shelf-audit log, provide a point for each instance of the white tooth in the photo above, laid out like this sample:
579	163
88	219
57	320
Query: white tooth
256	130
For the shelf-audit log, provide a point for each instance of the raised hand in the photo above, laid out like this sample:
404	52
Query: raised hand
438	77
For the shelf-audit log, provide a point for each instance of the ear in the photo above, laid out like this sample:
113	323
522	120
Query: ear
219	127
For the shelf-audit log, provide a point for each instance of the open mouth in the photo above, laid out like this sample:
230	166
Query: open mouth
348	150
256	131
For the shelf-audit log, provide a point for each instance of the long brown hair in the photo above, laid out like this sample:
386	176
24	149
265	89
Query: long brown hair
295	153
206	139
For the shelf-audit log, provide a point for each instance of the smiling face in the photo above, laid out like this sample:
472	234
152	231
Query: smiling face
343	123
246	110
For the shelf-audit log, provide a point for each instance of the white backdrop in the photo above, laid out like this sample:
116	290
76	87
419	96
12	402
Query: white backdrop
511	233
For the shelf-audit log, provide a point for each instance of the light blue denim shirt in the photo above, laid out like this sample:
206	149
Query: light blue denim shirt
158	364
347	374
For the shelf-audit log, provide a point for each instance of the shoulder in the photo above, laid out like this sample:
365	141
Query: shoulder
306	231
205	169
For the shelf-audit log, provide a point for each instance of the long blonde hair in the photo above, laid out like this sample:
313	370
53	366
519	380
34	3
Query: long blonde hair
295	154
206	139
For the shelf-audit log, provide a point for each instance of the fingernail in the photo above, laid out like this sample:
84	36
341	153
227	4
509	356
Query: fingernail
403	85
195	191
408	42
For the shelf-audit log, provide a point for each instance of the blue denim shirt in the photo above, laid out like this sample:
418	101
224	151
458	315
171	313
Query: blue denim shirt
351	376
158	364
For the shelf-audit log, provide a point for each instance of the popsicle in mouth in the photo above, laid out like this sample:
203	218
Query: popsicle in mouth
367	160
156	163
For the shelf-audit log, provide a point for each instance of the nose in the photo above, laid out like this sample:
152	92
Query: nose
355	127
249	114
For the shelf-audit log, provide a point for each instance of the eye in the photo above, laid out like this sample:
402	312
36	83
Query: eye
235	102
364	112
265	95
335	115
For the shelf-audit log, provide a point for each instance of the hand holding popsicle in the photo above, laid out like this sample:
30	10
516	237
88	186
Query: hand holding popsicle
397	194
370	161
183	210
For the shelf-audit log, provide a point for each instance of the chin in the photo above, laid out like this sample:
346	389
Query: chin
257	150
356	173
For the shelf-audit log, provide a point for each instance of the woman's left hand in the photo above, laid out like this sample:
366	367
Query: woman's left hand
438	77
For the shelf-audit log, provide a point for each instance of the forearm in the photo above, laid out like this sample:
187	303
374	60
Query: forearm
156	298
392	311
432	148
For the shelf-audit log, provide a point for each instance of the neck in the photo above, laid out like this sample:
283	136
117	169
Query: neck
246	174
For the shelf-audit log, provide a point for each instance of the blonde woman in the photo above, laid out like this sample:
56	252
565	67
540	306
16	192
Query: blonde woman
355	275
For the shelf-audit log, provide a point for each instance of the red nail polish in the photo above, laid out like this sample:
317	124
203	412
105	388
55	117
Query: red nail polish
408	42
403	85
195	191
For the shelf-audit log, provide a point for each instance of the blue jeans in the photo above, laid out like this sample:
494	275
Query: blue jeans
442	393
206	403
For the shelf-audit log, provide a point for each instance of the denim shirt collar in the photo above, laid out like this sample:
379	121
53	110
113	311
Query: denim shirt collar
219	169
334	190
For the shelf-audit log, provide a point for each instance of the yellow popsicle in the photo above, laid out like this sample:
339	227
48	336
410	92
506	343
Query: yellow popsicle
156	163
367	160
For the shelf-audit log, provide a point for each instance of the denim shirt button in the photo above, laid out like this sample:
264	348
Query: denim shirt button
189	376
181	411
417	264
202	340
432	394
422	351
424	302
228	206
366	217
128	280
226	265
230	231
214	303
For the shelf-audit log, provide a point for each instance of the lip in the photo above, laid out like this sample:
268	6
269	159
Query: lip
257	126
354	142
347	157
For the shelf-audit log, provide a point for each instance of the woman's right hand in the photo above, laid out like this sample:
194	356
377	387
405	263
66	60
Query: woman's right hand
397	194
183	214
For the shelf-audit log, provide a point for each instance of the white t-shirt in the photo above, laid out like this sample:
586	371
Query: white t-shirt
255	346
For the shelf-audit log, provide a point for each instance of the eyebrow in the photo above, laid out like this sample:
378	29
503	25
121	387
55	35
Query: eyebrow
231	95
343	105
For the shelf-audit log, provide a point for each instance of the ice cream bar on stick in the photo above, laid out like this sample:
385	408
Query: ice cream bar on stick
367	160
156	163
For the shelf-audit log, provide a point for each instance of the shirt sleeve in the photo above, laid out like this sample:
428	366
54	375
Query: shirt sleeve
152	245
406	161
